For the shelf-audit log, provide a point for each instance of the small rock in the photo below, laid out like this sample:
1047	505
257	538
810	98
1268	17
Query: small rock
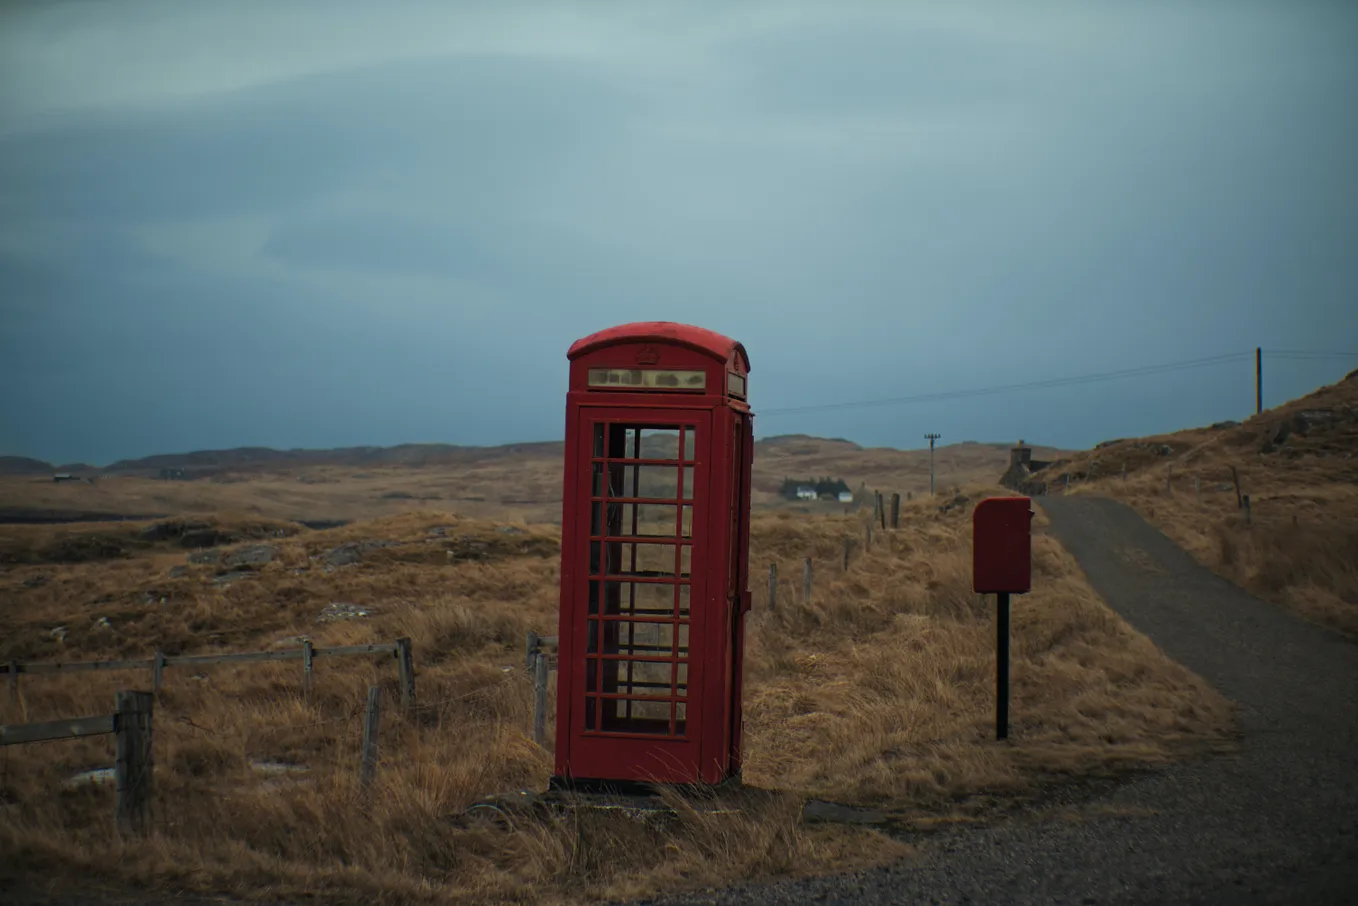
178	572
102	623
249	556
59	633
352	552
338	610
205	557
96	776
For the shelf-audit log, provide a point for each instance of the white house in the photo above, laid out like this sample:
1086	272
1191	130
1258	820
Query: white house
846	496
806	493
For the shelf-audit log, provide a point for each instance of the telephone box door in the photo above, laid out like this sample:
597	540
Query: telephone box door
637	599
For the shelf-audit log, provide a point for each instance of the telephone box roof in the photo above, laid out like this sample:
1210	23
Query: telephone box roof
699	338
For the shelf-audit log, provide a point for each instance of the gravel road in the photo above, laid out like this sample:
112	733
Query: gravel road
1275	823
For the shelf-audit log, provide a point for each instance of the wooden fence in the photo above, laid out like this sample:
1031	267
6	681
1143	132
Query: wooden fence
539	662
307	654
130	723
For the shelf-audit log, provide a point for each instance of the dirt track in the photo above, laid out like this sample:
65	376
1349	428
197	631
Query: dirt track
1276	822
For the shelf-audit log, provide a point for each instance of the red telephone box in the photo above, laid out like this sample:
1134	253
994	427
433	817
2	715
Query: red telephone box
655	538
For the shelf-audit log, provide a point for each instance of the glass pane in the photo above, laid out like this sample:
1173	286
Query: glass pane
735	385
659	443
654	520
591	674
597	488
681	677
642	678
688	483
599	441
683	601
589	713
641	559
592	642
683	639
641	598
643	481
689	435
643	639
628	708
685	558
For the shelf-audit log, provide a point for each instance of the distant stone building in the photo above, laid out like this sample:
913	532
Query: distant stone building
1022	467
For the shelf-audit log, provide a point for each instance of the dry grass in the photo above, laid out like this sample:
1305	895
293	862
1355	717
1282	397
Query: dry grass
878	690
1300	548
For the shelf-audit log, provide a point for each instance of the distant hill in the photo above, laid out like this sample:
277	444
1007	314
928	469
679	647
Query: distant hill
22	465
247	459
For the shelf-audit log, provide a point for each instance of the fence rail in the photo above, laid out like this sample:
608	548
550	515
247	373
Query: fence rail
130	723
56	729
400	649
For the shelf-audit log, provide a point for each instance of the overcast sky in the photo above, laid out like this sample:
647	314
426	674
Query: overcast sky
326	224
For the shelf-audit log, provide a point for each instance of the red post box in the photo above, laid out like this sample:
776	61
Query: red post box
1002	564
1002	546
654	558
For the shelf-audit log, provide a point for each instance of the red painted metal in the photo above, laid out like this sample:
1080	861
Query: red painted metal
1002	547
654	562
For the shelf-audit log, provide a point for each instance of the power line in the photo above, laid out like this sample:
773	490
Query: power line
1028	385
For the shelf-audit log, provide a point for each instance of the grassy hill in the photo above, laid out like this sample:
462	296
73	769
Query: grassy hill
518	481
879	690
1298	463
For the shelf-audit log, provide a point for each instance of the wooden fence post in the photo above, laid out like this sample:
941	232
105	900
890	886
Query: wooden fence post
371	724
848	542
1067	488
806	582
530	649
157	673
881	509
895	510
773	586
1124	471
132	770
1235	477
867	540
308	656
540	699
405	662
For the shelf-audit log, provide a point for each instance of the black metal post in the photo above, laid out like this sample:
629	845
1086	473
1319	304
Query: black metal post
1002	666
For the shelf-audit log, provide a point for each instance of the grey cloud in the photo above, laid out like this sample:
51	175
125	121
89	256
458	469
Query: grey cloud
881	202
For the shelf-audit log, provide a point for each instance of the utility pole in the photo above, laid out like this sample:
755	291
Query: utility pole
1258	380
932	438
